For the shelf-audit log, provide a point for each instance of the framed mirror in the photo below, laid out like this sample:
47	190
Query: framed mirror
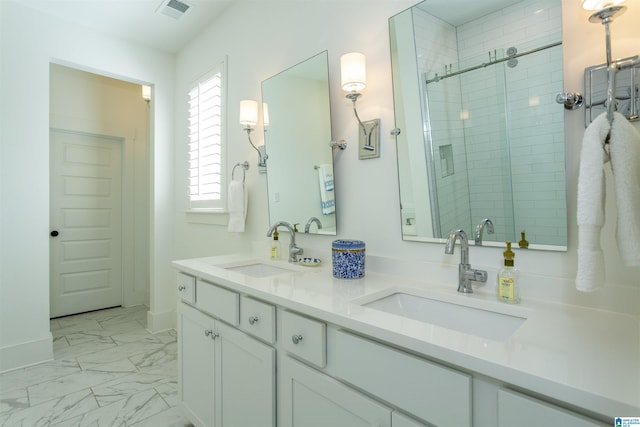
300	181
481	133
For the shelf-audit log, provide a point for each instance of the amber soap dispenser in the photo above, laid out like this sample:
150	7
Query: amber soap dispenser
508	286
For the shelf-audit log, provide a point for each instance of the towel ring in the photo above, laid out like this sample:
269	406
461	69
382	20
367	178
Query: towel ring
245	167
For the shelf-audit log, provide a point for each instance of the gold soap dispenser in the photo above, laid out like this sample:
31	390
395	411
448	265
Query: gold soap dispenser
508	285
523	243
274	251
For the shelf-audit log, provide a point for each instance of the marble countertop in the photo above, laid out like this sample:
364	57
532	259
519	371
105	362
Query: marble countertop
584	357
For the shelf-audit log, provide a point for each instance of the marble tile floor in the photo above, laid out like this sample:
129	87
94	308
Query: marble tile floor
107	371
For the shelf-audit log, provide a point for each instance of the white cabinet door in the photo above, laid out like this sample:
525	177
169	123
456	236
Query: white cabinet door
196	365
515	409
309	398
401	420
247	378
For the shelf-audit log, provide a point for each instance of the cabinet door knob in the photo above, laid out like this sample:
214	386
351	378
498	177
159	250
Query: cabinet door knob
54	233
253	319
210	333
181	288
296	338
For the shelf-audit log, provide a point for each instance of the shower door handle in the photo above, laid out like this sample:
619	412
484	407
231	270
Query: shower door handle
570	100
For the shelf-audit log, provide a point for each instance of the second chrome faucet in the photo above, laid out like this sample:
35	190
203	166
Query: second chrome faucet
465	273
294	250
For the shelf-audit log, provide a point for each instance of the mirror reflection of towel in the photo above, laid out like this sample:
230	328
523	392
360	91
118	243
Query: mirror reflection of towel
237	204
327	199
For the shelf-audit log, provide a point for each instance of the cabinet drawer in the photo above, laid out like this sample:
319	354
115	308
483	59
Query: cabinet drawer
305	338
517	409
219	302
258	318
432	392
187	288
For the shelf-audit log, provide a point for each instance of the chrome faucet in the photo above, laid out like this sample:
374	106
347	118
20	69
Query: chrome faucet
465	273
311	220
480	228
294	250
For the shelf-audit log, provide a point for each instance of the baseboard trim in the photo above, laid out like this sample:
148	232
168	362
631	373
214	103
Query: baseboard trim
26	354
160	322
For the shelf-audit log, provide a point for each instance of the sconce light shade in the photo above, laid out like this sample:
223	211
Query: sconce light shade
265	114
599	4
248	112
353	72
146	93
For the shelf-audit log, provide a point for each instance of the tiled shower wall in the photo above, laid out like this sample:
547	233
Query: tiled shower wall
469	112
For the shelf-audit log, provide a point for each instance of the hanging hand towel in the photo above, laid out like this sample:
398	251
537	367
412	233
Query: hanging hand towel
590	211
325	178
237	204
625	164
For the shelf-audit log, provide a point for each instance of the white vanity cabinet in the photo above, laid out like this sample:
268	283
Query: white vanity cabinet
226	378
196	365
310	392
427	390
246	358
515	409
309	398
186	288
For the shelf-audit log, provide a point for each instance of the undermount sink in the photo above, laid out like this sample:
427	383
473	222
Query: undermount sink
259	269
469	320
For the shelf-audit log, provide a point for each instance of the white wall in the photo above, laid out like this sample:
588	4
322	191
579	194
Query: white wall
29	42
262	38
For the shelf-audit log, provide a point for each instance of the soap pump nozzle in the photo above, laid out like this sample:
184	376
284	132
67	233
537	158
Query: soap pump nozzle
509	255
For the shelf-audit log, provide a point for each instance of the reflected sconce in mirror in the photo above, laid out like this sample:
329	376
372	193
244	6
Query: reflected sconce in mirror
249	118
354	79
146	93
265	115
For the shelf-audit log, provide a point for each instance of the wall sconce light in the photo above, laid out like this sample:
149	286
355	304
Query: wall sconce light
354	79
249	118
605	11
146	93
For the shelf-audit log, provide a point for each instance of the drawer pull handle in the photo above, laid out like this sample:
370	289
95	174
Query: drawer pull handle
210	333
296	338
253	319
181	288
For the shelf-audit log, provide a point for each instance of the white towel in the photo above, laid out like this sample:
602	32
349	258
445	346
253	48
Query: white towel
327	198
590	210
625	164
237	204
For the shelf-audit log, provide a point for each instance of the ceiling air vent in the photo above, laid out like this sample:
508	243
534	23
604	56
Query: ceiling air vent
173	8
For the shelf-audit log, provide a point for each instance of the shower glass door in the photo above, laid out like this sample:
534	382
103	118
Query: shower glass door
486	145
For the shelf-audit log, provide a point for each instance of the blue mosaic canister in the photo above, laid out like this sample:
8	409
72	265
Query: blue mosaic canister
348	259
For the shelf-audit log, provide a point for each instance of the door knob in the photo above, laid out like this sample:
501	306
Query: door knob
54	233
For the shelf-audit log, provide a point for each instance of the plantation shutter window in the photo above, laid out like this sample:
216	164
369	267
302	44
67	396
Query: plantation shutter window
206	142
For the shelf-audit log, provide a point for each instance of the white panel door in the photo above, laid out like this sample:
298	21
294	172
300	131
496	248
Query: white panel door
86	222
